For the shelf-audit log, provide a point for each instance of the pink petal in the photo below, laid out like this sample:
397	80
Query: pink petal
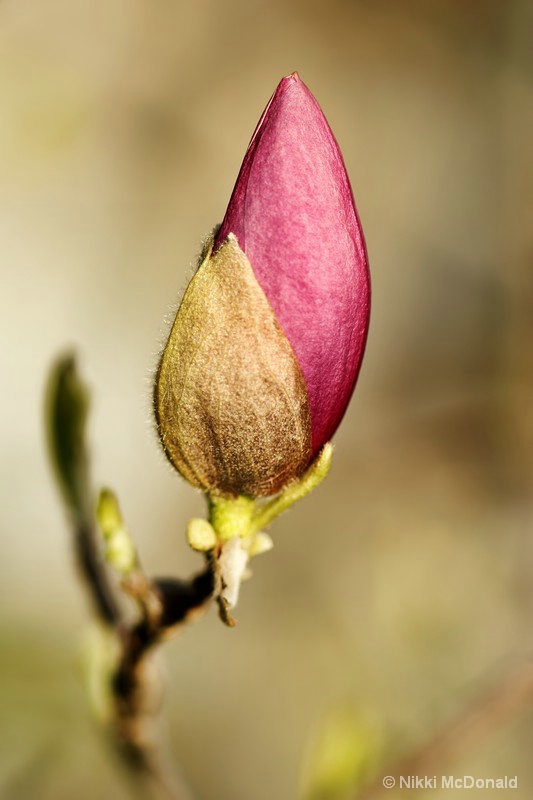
293	213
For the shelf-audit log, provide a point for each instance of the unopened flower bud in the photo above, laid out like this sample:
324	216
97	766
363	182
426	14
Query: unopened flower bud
267	343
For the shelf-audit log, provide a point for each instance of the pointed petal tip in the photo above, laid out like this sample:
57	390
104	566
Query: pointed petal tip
287	81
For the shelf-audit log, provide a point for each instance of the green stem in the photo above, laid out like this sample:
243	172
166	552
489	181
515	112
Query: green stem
242	516
295	491
231	516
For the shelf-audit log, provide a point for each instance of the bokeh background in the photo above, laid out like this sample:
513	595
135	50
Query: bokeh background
403	585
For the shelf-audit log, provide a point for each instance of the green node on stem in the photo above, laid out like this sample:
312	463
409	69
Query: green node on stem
231	516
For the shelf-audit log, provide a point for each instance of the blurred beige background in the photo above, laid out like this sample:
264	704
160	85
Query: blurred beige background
405	582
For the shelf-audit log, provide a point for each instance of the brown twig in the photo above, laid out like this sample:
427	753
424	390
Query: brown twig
94	577
168	604
489	712
164	605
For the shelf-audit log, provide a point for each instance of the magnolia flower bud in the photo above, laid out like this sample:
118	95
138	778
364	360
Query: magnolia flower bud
266	346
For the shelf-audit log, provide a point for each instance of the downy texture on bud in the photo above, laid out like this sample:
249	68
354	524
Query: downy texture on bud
266	346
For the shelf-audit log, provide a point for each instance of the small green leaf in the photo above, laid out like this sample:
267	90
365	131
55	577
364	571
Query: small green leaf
66	410
99	656
120	551
259	544
345	751
201	535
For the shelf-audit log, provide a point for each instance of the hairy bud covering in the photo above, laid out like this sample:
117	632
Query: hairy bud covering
230	399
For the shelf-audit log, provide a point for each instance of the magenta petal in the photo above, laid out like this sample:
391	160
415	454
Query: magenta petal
293	213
